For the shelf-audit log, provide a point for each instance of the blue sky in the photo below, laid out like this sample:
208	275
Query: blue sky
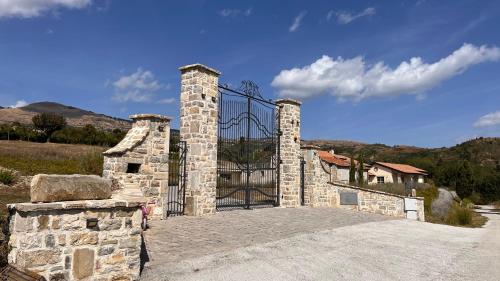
422	73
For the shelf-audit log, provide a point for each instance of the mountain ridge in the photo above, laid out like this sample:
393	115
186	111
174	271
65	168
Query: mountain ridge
76	117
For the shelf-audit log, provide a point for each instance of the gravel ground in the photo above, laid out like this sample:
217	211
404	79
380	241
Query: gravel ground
378	250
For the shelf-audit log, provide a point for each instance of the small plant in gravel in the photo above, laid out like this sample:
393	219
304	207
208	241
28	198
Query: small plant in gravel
6	177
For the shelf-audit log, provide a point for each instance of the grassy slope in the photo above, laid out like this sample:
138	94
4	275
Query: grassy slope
32	158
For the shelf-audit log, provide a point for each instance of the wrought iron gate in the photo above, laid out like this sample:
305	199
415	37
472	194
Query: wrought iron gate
175	199
302	182
247	149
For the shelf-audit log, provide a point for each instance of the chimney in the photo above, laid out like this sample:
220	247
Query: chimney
332	151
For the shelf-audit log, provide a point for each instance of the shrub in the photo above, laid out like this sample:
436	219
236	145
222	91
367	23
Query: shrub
459	216
393	188
475	198
429	195
6	177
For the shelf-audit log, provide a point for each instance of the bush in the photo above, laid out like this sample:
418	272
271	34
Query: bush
459	216
429	195
393	188
6	177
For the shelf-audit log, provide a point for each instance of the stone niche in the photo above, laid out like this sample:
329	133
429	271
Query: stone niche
77	240
138	165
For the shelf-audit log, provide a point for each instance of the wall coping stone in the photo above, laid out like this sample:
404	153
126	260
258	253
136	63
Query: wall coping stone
75	205
309	146
150	116
371	190
199	66
288	101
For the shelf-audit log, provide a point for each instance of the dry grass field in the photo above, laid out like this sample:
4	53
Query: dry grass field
32	158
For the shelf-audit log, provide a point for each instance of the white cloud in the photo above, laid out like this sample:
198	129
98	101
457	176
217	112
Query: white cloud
166	101
35	8
19	103
297	21
355	79
488	120
235	12
139	86
346	17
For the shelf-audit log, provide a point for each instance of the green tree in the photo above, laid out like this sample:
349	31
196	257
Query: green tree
48	123
361	179
352	172
465	180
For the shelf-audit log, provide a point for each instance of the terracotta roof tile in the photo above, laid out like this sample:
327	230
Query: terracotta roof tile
407	169
332	159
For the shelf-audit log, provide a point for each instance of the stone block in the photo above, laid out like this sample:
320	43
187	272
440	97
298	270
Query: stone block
50	241
43	222
52	188
106	250
83	263
77	239
39	258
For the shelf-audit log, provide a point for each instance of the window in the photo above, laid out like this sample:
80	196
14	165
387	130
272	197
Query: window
133	168
380	179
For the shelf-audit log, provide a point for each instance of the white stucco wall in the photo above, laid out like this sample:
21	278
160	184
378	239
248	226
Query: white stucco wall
392	176
381	171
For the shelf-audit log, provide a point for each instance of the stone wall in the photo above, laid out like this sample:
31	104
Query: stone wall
289	118
321	192
198	127
147	145
372	201
317	191
58	241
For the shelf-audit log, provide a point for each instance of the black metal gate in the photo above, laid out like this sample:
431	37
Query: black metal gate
247	149
302	182
175	198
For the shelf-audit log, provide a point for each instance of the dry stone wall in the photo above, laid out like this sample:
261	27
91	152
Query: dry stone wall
289	118
198	127
60	241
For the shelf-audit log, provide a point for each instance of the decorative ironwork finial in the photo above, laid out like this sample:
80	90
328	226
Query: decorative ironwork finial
250	88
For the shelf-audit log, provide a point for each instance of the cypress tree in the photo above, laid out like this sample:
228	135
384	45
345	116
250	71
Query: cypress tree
361	179
352	172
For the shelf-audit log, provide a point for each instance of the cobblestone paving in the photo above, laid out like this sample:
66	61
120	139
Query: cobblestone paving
180	238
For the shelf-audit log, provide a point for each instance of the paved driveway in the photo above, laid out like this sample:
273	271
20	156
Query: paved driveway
319	244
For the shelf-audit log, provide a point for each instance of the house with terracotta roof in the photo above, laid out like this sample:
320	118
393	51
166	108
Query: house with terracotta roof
338	166
383	172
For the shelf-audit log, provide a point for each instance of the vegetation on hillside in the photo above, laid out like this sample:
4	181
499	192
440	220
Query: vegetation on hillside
53	128
471	168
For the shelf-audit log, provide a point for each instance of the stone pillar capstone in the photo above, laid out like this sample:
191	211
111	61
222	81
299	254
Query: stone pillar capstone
289	118
198	127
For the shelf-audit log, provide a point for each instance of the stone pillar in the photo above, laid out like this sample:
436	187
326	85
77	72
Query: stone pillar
289	118
198	127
